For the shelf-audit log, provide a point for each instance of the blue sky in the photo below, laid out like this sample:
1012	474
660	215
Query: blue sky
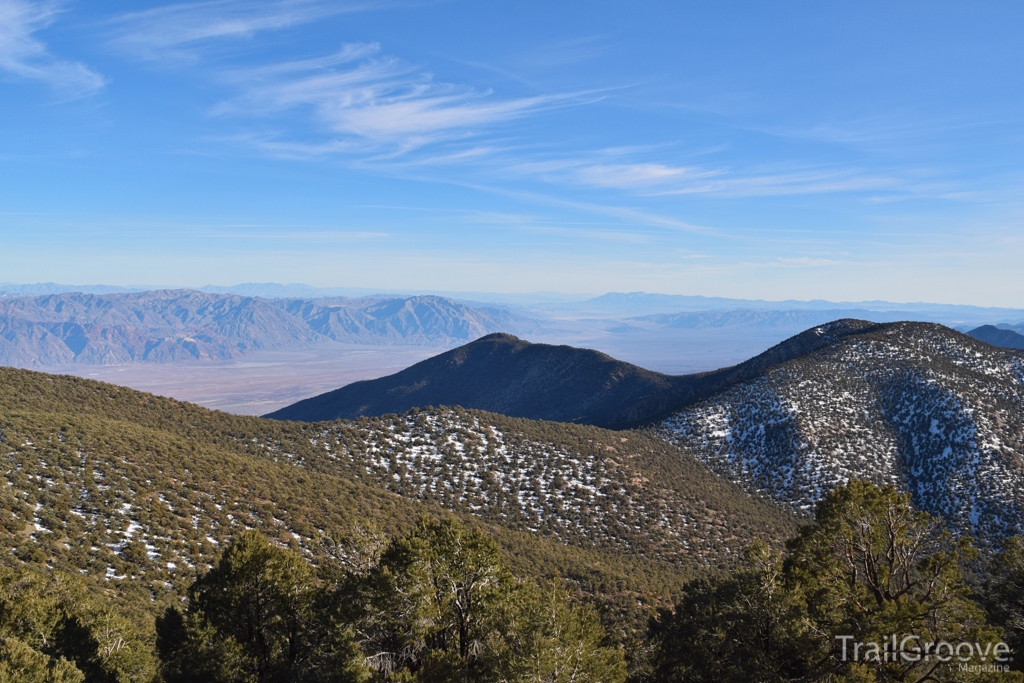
803	150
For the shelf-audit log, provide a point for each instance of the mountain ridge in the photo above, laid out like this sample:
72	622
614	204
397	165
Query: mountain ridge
175	325
1005	338
504	374
920	406
916	405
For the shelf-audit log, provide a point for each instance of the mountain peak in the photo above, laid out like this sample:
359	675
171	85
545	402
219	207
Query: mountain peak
505	374
500	337
502	373
916	405
990	334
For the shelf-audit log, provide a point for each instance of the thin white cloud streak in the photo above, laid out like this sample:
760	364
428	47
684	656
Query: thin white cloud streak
565	52
301	236
808	262
658	179
177	31
381	108
23	55
623	213
610	175
900	129
382	102
823	181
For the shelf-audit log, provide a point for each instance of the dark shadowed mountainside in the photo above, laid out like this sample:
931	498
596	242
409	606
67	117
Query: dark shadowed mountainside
990	334
503	374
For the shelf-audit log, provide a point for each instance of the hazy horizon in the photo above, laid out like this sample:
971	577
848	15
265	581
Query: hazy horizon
296	290
811	151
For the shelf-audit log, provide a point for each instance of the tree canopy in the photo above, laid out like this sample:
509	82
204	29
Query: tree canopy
868	592
436	604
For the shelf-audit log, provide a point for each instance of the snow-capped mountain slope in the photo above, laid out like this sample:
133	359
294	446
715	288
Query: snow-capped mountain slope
917	405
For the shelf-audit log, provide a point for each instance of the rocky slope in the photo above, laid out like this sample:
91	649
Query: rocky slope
917	405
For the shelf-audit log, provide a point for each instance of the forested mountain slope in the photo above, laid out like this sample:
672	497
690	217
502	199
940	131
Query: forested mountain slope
120	484
503	374
918	405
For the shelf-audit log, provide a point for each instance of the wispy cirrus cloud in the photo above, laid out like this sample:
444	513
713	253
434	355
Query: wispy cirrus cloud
24	55
807	262
355	101
611	174
177	31
365	105
782	180
608	171
376	103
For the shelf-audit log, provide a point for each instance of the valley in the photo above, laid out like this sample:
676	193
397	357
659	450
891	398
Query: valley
252	349
258	382
515	342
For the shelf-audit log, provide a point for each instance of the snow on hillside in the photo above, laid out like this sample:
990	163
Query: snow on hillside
614	492
918	406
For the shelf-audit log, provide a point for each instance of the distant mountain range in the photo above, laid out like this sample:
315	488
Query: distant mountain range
175	325
919	405
640	304
45	325
612	304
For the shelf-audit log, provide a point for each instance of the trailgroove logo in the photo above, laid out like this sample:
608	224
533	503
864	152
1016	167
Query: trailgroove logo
971	657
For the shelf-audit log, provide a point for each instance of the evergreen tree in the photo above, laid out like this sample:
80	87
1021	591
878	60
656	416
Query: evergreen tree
557	640
872	567
257	616
869	568
441	606
739	627
52	630
1003	594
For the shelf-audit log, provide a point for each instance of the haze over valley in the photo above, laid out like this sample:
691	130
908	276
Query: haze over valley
244	350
